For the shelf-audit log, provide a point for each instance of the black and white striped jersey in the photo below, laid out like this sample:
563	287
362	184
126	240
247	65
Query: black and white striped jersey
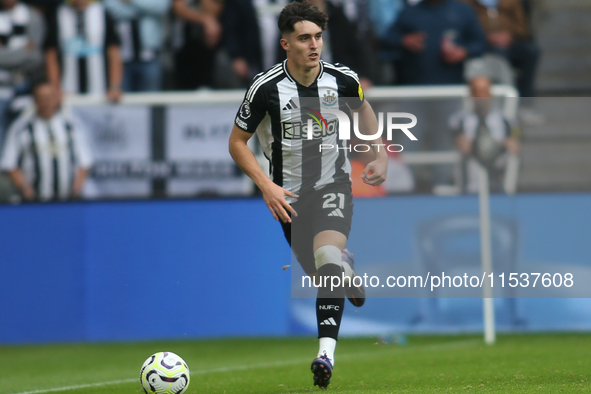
48	152
278	108
82	39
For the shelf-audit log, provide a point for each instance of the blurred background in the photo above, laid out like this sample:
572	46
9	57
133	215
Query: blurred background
119	198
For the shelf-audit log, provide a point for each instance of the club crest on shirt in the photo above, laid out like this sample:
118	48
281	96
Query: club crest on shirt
329	99
245	110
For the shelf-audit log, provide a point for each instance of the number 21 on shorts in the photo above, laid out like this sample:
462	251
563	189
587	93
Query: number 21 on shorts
330	198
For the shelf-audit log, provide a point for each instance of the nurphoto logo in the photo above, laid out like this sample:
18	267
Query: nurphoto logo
317	126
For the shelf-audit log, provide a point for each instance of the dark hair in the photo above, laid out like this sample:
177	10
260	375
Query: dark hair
298	12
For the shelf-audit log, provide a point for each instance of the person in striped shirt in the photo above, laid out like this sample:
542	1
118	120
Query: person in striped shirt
45	154
82	50
309	188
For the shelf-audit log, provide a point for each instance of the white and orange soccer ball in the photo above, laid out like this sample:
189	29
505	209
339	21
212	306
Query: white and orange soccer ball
165	373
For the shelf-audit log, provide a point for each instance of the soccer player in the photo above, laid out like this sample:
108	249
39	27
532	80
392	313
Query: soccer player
310	189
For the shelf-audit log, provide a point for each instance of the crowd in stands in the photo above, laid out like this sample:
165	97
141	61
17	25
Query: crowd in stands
110	47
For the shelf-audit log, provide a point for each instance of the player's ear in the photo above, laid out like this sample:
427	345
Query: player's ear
284	44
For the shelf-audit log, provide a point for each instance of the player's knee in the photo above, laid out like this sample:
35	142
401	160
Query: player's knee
327	254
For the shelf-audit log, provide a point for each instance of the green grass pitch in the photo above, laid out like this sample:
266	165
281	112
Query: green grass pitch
525	363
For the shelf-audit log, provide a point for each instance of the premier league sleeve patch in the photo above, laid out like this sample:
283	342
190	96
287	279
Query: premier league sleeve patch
245	110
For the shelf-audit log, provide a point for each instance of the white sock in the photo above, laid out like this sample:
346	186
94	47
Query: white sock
348	271
327	254
327	346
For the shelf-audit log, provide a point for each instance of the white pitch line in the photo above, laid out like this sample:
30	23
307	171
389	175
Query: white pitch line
198	372
246	367
80	386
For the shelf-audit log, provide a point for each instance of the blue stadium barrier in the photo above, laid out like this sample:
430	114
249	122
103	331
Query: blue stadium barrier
139	270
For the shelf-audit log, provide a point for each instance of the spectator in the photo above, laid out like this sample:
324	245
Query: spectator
267	12
140	26
82	50
341	43
508	35
21	36
196	38
528	11
244	46
358	13
433	39
382	15
256	49
45	155
483	134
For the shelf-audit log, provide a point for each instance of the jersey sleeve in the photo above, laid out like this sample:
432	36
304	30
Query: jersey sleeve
13	148
455	123
253	108
351	87
82	151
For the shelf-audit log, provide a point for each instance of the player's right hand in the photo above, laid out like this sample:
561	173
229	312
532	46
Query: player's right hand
274	196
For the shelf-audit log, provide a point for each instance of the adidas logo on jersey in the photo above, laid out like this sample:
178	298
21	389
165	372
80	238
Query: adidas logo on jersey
329	322
290	105
337	212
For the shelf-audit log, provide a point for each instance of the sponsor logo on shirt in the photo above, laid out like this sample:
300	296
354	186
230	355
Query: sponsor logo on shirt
315	127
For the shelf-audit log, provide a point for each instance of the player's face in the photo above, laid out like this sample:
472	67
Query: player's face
304	45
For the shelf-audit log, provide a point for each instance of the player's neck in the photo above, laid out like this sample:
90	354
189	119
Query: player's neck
304	76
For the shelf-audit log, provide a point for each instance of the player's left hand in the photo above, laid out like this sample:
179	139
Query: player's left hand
375	172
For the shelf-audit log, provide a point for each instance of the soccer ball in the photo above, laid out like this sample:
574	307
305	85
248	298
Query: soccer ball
165	373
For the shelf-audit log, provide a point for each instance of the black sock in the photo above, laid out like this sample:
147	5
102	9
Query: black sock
330	302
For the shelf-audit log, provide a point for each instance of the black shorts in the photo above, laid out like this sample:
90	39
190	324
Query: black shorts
330	208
